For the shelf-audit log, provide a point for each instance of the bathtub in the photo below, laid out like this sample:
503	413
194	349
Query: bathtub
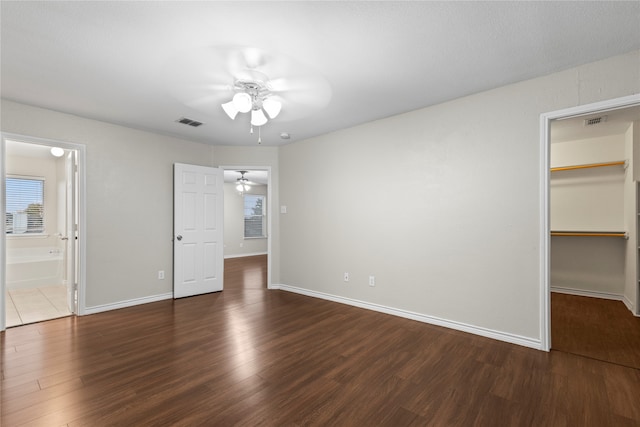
34	267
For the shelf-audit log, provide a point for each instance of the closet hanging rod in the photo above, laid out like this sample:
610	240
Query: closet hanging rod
591	165
591	234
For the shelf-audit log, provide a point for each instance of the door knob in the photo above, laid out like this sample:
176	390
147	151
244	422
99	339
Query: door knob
179	237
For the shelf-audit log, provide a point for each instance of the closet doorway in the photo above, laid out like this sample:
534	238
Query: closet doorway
42	254
248	214
593	246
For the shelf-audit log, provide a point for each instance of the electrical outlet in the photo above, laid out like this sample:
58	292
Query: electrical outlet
161	274
372	280
346	277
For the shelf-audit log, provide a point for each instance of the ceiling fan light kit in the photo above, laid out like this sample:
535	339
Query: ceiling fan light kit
272	107
258	118
254	96
242	101
240	79
242	183
230	109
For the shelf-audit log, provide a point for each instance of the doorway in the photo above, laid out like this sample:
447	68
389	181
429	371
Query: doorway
248	216
608	233
42	253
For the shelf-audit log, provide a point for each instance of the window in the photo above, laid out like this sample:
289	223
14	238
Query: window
254	216
24	205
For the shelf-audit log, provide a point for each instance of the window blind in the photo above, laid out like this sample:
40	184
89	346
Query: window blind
24	205
254	215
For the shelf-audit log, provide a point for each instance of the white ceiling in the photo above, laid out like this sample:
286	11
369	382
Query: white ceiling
145	64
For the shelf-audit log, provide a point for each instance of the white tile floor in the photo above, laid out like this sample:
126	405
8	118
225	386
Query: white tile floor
35	305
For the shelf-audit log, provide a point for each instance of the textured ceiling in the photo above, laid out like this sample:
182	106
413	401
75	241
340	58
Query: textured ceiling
141	64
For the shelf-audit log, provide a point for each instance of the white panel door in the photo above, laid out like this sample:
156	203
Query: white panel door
71	229
198	257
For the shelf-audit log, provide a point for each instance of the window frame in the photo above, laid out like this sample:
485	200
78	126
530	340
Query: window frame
43	231
263	216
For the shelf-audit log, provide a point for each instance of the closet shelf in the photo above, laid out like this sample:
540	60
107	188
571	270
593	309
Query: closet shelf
622	234
587	166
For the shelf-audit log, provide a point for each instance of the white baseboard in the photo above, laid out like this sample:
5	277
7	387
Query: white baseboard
629	305
127	303
245	255
584	293
476	330
595	294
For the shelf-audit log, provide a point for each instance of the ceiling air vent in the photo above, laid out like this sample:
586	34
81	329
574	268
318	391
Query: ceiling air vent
595	121
190	122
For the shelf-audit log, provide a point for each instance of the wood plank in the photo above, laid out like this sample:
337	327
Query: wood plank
594	327
250	356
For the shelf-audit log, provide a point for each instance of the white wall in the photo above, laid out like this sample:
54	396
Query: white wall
593	266
442	204
588	199
447	218
234	242
129	198
602	149
598	199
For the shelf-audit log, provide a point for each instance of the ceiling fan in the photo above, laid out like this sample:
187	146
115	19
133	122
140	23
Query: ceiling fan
237	79
242	183
254	96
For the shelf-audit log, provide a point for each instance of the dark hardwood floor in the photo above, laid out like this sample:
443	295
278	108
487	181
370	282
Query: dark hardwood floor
248	356
598	328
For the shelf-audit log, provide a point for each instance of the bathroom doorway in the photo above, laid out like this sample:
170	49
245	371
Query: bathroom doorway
41	231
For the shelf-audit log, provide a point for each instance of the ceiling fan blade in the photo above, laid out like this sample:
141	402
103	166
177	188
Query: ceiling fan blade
300	96
205	88
199	80
306	99
255	58
206	76
246	63
316	85
207	102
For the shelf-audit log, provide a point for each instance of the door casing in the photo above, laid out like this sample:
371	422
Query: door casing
269	210
545	176
81	220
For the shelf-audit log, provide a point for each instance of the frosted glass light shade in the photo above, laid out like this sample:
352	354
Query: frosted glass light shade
57	152
272	107
258	118
242	102
230	109
243	187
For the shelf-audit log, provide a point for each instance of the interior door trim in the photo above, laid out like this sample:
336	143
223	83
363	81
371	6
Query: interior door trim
82	215
270	211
